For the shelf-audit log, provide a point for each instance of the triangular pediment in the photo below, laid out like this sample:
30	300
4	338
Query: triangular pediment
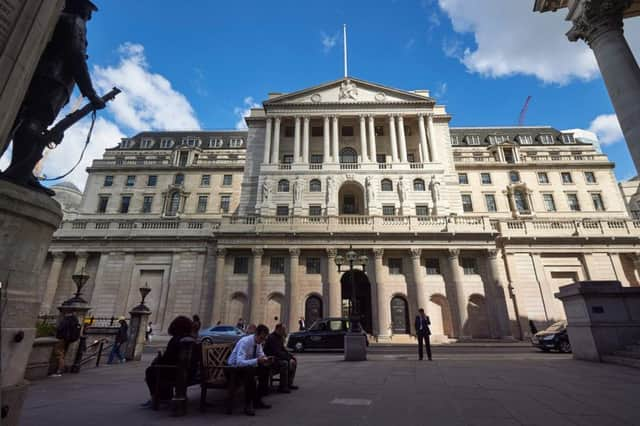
349	91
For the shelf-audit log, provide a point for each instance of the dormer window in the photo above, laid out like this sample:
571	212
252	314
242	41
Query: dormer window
455	140
191	141
546	139
146	143
166	143
236	142
473	140
495	139
568	138
126	143
525	139
216	142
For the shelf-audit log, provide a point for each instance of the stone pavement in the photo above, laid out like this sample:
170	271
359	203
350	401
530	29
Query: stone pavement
468	386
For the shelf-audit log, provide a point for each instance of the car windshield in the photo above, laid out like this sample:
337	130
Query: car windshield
224	329
318	325
558	326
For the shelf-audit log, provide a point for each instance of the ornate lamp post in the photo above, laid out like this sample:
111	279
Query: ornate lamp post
138	326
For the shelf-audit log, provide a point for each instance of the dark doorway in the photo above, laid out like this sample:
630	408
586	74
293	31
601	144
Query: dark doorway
363	297
400	316
351	198
312	310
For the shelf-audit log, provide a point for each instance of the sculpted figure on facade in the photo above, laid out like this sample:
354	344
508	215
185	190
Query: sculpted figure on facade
348	90
371	190
434	187
402	190
266	190
298	189
331	190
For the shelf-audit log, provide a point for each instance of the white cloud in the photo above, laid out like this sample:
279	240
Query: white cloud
328	42
244	111
607	128
511	39
441	90
410	43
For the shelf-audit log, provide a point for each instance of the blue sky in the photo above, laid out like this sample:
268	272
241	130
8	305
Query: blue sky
208	61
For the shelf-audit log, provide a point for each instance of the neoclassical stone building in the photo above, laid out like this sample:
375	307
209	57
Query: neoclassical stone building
480	226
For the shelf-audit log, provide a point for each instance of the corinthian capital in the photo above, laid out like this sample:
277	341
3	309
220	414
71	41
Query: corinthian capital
294	252
593	18
378	253
331	252
221	252
257	251
415	253
453	252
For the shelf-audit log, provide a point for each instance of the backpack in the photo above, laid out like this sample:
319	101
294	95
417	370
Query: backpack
69	329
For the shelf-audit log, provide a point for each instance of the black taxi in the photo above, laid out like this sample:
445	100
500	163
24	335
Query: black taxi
326	333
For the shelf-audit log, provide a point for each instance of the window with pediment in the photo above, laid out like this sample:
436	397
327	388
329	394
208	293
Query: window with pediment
386	185
283	185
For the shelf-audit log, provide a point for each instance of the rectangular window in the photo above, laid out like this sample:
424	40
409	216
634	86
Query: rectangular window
216	142
455	140
508	155
379	130
241	265
546	139
102	204
147	202
282	210
543	178
316	158
225	201
549	202
473	140
289	131
131	180
411	158
152	180
124	203
467	205
236	142
469	265
433	266
574	204
347	131
317	131
108	181
422	210
166	143
276	265
313	265
598	204
485	178
227	180
183	158
389	210
315	210
566	177
119	161
395	266
568	138
590	177
463	179
381	158
202	203
525	139
205	180
490	201
287	159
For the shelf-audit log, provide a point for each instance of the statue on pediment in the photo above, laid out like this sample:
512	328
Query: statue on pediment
298	189
348	90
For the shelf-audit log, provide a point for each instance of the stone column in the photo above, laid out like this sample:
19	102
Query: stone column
326	158
363	139
392	139
218	293
423	139
335	289
384	306
255	284
372	139
432	139
418	279
52	281
600	24
402	139
335	134
459	304
296	141
294	303
275	155
305	140
139	318
549	302
267	141
495	298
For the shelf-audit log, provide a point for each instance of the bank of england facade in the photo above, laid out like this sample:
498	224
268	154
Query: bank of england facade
479	226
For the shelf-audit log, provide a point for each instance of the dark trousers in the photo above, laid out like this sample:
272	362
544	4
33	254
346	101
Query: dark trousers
247	376
287	370
166	376
423	337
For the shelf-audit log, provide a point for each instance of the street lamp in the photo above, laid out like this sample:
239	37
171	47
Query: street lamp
351	257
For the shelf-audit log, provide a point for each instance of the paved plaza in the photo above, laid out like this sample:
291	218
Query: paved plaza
462	386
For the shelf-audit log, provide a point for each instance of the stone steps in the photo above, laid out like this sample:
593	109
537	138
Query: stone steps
621	360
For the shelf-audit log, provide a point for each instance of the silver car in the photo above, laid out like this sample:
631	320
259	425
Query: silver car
221	334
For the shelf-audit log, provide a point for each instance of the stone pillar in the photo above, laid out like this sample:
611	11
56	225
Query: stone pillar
255	287
418	279
335	289
305	140
550	304
335	134
402	139
78	307
372	139
294	303
139	318
600	24
267	141
296	141
275	155
432	139
363	139
495	298
28	221
52	281
459	304
326	135
392	139
423	139
384	306
218	293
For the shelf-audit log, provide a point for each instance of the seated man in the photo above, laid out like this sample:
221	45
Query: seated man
250	361
285	362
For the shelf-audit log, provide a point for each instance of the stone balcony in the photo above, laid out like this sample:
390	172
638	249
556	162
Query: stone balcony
336	167
164	163
132	228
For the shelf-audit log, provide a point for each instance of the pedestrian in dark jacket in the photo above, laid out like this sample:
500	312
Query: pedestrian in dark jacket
195	326
285	362
121	338
423	332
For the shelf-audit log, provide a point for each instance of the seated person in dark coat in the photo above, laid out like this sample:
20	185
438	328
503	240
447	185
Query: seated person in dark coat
285	362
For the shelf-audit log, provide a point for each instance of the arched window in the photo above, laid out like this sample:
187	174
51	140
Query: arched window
348	155
520	200
315	185
514	177
174	204
178	179
386	185
283	185
418	185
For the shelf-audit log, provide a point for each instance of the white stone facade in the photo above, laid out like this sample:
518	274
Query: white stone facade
480	226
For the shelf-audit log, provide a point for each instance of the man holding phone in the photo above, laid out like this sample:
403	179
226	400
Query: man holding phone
249	358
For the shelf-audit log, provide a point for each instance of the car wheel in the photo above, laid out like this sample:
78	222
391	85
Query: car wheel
207	341
565	347
299	347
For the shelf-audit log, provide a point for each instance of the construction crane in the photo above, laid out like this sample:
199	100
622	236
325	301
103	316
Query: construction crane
523	112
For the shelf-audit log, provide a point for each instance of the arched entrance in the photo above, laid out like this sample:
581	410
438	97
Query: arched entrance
363	297
274	309
351	198
312	310
400	316
237	308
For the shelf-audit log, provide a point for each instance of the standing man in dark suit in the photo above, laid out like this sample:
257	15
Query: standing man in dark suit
423	333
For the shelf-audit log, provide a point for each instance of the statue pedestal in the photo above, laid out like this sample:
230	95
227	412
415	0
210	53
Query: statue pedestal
28	219
355	347
137	328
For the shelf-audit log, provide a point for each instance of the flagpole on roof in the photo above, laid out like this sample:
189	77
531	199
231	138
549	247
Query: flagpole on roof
344	28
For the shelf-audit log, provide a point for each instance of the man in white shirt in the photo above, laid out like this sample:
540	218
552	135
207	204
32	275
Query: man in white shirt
249	359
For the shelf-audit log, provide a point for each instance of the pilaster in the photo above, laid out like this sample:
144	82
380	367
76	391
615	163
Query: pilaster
294	288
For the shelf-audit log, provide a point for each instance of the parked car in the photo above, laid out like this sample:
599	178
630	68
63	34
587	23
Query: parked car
326	333
221	334
553	338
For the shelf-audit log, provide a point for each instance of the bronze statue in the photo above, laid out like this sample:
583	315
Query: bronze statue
62	65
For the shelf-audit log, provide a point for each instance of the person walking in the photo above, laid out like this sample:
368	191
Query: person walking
195	326
423	332
67	332
121	338
148	332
